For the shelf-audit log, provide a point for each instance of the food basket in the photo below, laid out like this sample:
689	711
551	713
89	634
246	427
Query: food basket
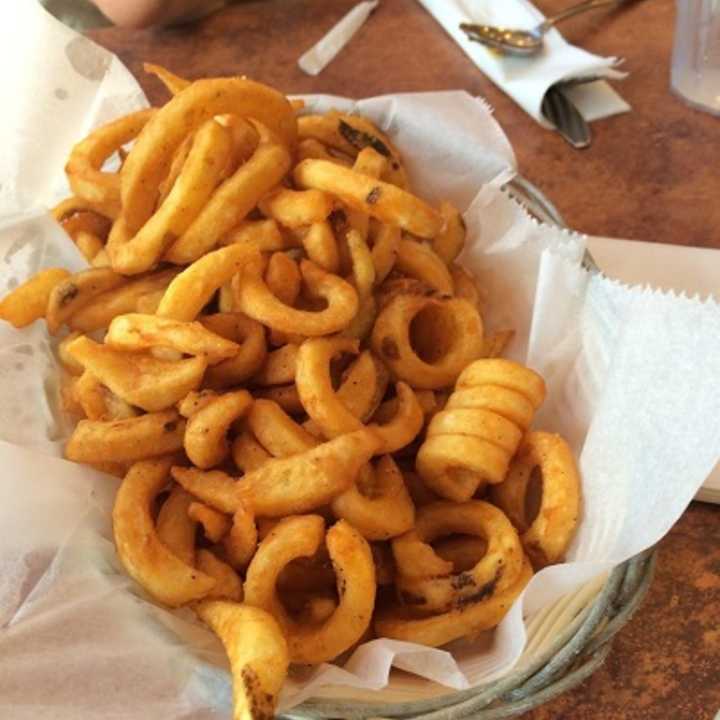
566	641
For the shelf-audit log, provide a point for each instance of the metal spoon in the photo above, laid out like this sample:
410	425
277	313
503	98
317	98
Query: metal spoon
527	42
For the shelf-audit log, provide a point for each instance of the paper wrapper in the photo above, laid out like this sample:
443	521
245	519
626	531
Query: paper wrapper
632	377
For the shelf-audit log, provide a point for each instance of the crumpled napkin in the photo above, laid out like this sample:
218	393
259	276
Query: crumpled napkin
526	80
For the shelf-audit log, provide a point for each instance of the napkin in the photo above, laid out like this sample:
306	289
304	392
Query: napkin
526	80
323	52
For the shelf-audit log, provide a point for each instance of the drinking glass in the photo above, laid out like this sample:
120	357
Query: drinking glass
695	75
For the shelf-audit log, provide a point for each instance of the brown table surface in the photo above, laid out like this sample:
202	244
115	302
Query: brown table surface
651	175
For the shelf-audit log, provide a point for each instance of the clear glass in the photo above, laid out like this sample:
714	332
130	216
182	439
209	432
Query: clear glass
696	55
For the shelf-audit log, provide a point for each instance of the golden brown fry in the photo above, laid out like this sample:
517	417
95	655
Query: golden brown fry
213	487
174	83
451	240
126	298
248	454
232	201
206	441
258	655
377	198
192	289
84	167
99	402
241	329
135	331
279	368
378	508
139	379
547	535
309	480
241	542
228	585
296	208
75	292
175	528
166	577
255	299
321	246
126	441
215	525
278	433
264	235
419	261
355	571
28	302
427	341
286	396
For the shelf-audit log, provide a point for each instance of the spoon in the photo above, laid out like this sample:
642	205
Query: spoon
527	42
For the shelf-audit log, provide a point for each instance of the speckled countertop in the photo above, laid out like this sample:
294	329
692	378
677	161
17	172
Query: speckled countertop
650	175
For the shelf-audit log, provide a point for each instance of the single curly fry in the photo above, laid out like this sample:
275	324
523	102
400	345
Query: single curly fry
378	505
405	425
73	293
547	529
206	441
255	299
126	441
241	542
427	341
496	571
174	83
135	331
376	198
139	379
84	167
296	208
309	480
258	655
165	576
279	368
507	374
215	524
450	242
250	335
355	577
419	261
276	431
315	386
192	289
228	585
400	623
175	527
28	302
248	454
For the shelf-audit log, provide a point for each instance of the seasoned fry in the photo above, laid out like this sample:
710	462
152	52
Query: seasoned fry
165	576
255	299
258	655
376	198
303	482
175	528
206	441
75	292
139	379
191	290
28	302
134	331
419	261
215	525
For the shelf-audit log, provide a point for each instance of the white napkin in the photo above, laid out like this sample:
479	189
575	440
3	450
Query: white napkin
526	80
323	52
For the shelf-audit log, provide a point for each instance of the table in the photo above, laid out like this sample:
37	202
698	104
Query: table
649	175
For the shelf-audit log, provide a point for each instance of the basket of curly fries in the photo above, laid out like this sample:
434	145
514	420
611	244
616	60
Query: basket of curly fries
326	446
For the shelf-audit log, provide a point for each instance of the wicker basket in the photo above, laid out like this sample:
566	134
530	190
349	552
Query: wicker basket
567	641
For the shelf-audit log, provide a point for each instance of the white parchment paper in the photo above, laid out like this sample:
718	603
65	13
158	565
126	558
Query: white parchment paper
633	378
